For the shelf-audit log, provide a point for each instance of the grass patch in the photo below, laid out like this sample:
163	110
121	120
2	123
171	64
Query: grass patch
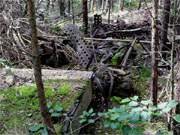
20	105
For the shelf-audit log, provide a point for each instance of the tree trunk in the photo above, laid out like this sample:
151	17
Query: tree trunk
154	52
61	4
85	15
140	3
37	70
165	22
69	6
109	11
73	17
122	5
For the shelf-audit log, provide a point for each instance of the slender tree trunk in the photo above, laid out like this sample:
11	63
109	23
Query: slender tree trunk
85	15
109	11
140	3
122	5
73	17
61	4
177	90
154	52
165	22
37	70
69	6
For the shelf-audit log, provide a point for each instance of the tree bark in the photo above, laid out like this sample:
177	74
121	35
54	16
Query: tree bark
85	15
61	4
154	52
165	22
109	11
37	70
122	5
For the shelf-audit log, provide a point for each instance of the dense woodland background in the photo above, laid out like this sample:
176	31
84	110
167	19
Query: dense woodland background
99	67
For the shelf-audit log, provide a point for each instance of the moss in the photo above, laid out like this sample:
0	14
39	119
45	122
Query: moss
64	89
141	79
20	105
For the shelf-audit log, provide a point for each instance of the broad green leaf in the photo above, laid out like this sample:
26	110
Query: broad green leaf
172	104
126	130
135	98
146	102
83	121
135	116
35	128
58	107
51	110
123	116
126	100
55	114
44	131
114	125
114	116
91	110
133	104
137	109
91	121
107	124
177	118
145	115
49	105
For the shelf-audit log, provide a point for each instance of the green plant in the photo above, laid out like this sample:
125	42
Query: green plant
55	109
132	115
64	89
131	4
141	78
38	129
115	99
87	117
177	118
116	57
49	91
4	63
27	91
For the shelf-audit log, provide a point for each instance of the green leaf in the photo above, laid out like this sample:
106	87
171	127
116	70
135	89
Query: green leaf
44	131
58	107
114	125
133	104
91	121
90	111
51	110
145	115
123	116
107	124
35	128
126	100
55	114
135	117
49	105
172	104
146	102
83	121
137	109
177	118
126	130
135	98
